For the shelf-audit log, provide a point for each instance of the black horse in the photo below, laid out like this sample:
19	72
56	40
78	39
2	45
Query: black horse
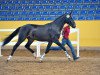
49	32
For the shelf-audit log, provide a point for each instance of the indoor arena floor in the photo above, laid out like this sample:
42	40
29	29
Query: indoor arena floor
55	63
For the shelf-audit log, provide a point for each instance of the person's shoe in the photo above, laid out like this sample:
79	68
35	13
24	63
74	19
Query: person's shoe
76	58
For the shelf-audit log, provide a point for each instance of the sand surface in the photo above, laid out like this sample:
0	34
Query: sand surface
55	63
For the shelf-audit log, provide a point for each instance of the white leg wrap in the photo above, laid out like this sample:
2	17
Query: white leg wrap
42	56
9	57
67	55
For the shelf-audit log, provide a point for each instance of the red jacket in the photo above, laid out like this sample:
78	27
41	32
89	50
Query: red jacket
66	32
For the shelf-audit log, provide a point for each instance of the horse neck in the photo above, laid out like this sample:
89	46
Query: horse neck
59	22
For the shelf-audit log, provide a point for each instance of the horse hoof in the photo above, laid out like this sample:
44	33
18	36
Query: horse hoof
7	61
41	62
69	59
35	57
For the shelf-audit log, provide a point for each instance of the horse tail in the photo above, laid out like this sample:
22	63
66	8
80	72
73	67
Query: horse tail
8	39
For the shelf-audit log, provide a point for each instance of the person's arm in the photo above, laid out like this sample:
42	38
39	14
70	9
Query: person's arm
62	32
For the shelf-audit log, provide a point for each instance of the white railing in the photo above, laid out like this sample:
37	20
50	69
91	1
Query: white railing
38	43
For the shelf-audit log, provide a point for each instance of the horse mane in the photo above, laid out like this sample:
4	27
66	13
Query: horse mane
59	17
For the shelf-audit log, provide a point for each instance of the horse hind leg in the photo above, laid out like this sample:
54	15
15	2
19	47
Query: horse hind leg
13	50
47	50
28	46
21	38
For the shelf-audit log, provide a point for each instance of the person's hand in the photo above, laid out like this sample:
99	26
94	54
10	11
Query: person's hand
65	25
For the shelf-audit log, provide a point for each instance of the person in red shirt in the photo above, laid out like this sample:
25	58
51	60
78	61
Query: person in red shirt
65	40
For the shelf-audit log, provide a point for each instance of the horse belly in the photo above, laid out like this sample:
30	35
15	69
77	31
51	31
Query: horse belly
42	36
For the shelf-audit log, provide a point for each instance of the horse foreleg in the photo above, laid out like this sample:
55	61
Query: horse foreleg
66	52
47	50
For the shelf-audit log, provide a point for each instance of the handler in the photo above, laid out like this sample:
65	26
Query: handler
65	40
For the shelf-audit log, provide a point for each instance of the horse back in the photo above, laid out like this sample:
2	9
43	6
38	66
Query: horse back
40	32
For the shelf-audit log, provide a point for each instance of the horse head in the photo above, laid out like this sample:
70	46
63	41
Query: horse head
70	21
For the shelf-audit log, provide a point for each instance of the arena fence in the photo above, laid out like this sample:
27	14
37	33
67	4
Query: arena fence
39	43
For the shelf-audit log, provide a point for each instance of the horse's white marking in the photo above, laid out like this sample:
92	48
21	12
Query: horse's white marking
67	16
42	56
9	57
67	55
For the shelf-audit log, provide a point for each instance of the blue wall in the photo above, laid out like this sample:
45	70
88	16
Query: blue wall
48	9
